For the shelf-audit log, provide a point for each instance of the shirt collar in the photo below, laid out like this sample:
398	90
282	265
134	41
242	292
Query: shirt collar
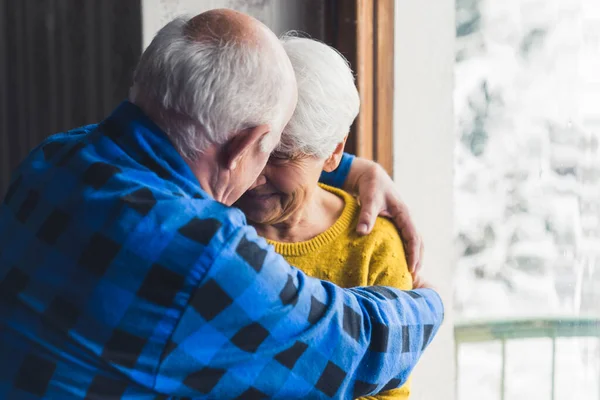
143	140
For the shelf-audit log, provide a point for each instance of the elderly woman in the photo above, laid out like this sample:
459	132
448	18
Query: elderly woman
312	225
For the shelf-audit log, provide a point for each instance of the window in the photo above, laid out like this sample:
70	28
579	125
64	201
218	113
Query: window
527	198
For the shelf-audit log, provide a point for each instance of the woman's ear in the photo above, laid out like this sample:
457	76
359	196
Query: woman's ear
333	161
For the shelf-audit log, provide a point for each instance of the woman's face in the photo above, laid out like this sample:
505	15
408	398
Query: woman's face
286	183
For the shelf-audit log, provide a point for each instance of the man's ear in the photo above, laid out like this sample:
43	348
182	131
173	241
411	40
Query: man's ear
333	161
243	143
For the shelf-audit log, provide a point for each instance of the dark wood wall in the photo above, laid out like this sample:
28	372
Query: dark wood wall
363	31
63	63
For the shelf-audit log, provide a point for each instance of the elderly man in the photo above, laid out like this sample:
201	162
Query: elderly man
124	273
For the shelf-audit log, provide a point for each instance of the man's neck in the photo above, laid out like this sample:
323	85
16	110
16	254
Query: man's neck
211	177
206	168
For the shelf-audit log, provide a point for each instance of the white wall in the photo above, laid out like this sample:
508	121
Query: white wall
423	162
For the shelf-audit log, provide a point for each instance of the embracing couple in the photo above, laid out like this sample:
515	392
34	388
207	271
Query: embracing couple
204	241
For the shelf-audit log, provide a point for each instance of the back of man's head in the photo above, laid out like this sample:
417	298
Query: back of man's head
206	78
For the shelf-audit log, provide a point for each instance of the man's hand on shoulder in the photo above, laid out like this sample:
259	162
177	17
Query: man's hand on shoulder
379	196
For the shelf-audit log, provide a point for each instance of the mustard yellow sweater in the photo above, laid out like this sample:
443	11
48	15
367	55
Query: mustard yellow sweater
341	256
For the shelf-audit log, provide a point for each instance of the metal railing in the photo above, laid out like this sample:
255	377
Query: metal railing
504	330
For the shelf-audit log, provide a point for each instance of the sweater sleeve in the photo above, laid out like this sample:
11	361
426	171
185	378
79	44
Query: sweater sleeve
257	324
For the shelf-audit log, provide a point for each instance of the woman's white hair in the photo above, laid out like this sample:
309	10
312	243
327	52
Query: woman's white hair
328	101
201	92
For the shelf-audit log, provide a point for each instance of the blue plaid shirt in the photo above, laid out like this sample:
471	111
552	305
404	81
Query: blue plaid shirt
121	278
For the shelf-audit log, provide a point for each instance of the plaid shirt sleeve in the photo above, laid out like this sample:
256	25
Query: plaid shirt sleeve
257	327
120	278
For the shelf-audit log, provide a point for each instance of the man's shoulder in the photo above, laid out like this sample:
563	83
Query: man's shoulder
87	173
71	133
70	136
206	208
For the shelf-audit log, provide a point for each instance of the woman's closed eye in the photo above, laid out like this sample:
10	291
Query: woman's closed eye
277	158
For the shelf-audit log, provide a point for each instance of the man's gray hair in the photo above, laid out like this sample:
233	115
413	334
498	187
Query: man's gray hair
202	91
328	101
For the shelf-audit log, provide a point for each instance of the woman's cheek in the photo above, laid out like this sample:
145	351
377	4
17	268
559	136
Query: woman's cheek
284	179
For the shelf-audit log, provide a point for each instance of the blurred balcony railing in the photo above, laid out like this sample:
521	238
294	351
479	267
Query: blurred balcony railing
505	330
